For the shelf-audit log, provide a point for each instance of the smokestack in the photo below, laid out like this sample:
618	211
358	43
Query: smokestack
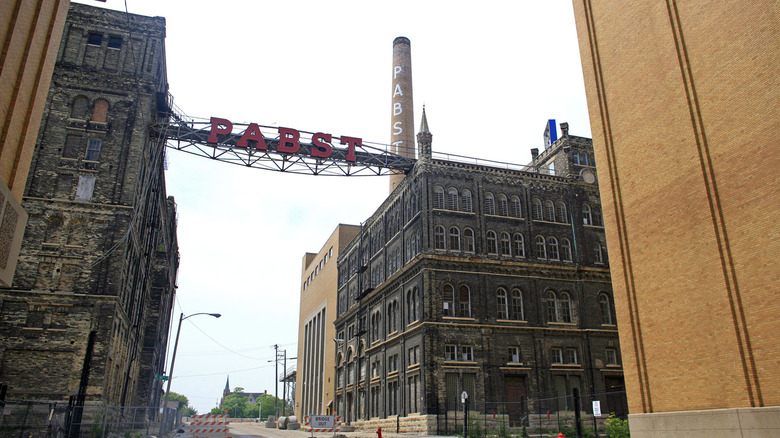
402	120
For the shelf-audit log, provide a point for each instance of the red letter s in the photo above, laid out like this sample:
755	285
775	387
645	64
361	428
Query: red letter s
320	147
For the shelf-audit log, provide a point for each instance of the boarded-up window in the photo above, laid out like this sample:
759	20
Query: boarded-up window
79	108
64	186
44	277
68	275
100	111
85	188
72	146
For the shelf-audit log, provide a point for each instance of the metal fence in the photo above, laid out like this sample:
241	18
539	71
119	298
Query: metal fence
533	417
36	419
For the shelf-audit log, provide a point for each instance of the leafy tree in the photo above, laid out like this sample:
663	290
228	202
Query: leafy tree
616	427
184	404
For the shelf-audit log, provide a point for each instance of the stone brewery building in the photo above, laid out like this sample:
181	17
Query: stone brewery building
88	312
483	279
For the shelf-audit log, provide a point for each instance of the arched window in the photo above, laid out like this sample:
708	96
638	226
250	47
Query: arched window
541	251
454	239
564	307
516	207
549	211
448	298
503	205
519	245
597	221
566	250
598	255
563	214
452	199
606	309
438	197
466	204
537	209
587	219
506	246
517	305
100	111
464	301
78	109
490	204
501	302
552	248
468	240
438	237
492	245
551	306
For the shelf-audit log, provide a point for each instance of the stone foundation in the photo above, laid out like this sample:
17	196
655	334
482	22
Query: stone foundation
714	423
421	424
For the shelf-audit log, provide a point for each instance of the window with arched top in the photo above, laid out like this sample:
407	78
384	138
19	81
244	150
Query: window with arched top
502	304
490	204
551	306
464	301
587	218
549	211
438	197
598	253
448	299
606	309
452	199
466	204
541	250
503	205
506	245
519	245
516	307
454	238
515	207
100	111
79	107
566	250
552	248
468	240
537	209
564	307
492	244
438	237
563	214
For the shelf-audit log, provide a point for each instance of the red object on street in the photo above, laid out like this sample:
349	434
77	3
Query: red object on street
560	435
379	433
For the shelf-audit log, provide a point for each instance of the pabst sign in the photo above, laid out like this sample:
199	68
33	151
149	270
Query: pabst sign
289	140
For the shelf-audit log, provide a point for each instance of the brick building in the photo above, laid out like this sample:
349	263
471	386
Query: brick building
100	255
489	280
683	99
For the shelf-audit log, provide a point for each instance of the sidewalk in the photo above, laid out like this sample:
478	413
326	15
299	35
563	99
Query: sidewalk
259	429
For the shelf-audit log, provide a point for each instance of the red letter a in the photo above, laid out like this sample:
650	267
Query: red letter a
252	133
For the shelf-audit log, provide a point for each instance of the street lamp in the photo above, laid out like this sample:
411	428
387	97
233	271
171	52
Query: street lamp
173	360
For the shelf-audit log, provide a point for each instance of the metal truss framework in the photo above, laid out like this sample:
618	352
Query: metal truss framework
191	137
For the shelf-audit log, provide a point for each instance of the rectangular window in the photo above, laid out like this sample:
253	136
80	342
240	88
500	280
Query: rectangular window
466	353
450	352
93	149
392	363
114	42
94	39
414	355
514	354
85	188
72	146
571	356
612	357
557	355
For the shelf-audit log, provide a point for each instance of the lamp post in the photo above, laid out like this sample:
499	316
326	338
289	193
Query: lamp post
173	360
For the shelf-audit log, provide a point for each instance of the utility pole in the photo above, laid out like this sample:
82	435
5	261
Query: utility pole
276	384
284	384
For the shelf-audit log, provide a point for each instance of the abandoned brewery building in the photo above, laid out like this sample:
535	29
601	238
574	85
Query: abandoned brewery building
483	279
88	313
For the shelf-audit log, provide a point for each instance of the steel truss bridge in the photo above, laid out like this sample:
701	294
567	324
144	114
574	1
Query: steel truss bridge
191	136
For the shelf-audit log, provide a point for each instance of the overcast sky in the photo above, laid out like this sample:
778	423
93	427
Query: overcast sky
490	74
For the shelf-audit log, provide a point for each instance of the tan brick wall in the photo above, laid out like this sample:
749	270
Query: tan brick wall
683	100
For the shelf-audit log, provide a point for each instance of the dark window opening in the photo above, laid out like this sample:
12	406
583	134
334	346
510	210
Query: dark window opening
95	39
114	42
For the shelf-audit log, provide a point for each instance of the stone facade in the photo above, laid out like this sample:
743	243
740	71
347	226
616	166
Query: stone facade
493	281
100	252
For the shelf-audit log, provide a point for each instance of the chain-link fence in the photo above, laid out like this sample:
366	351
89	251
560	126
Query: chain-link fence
534	417
36	419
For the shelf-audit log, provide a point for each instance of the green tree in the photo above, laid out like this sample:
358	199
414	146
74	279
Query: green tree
184	404
268	403
616	427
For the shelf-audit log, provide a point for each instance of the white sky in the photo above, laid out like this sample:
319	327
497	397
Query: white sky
490	74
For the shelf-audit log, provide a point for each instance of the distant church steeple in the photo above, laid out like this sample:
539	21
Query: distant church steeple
226	391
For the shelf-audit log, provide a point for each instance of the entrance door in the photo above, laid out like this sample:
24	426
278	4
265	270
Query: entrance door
515	394
616	396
